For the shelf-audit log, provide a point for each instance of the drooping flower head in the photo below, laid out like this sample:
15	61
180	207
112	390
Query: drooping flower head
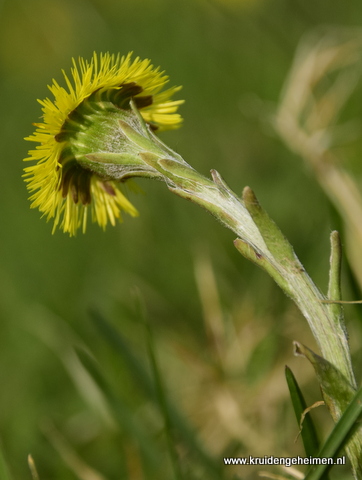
80	121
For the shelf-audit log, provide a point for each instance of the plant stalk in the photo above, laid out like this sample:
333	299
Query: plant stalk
259	240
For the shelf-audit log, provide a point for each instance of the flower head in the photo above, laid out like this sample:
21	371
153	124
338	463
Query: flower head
76	123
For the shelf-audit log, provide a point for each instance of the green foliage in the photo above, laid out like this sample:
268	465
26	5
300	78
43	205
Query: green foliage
152	387
347	424
308	430
4	469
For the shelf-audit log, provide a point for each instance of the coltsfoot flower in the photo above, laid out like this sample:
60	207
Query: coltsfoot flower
83	120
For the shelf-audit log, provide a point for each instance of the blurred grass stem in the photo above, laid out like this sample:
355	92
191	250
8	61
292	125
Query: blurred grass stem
325	72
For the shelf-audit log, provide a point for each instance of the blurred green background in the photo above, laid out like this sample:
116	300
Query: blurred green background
222	330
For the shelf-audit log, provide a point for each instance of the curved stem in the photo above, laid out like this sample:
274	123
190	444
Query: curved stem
259	240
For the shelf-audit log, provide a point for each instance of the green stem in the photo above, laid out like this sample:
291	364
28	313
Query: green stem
262	242
259	239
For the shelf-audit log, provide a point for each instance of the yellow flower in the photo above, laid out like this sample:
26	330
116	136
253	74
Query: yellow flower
61	187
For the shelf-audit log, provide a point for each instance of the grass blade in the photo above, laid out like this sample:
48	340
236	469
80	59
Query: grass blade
162	398
337	439
144	380
32	467
308	433
122	412
4	470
